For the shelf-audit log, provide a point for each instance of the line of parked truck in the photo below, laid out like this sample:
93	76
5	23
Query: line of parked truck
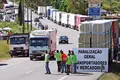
70	20
33	44
100	34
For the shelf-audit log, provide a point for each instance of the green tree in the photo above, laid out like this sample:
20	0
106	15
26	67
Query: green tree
73	6
20	13
111	5
78	6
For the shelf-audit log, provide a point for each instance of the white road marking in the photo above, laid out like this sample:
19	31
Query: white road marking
62	78
29	72
13	64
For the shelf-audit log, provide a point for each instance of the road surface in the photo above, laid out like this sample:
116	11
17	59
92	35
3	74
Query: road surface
23	69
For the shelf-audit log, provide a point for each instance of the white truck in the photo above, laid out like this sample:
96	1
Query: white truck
19	44
42	41
42	11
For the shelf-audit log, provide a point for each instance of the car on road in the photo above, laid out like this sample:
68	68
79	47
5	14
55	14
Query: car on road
36	20
35	11
41	16
63	39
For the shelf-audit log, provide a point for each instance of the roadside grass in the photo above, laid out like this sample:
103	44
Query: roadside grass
16	28
4	50
113	74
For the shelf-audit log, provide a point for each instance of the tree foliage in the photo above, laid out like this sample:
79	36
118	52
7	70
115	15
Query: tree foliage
74	6
111	5
20	13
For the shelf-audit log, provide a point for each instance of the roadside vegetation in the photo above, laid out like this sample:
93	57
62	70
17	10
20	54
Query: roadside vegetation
73	6
16	28
114	73
4	50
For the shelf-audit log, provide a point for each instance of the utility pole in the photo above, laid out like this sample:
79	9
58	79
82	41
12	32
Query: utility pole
27	19
91	39
31	20
23	18
57	4
91	42
84	6
13	2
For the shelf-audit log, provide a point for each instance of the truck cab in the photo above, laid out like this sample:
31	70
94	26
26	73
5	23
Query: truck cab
40	42
19	44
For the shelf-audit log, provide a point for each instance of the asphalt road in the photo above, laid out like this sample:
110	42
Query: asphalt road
23	69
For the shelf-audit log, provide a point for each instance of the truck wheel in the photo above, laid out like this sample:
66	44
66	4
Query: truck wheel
11	55
27	54
67	42
31	58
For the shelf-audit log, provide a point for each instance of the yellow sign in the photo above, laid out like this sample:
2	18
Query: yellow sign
95	1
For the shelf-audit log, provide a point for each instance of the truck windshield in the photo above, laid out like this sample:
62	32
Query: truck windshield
39	42
18	40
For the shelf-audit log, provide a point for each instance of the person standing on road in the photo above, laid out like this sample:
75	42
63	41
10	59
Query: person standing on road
39	25
35	23
70	52
58	59
74	62
47	57
68	63
64	58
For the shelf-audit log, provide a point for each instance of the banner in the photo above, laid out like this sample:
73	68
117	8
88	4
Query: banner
92	59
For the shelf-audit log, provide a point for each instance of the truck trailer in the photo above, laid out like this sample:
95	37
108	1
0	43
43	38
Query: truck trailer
42	41
100	34
19	44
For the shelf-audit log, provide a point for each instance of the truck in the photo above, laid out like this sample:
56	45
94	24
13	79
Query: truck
42	41
1	15
41	11
19	44
48	11
100	34
80	18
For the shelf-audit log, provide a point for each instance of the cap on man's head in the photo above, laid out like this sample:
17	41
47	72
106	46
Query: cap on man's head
57	50
46	51
73	52
69	50
61	51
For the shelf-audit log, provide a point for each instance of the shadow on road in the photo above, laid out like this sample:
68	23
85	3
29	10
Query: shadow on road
77	74
3	64
38	60
70	43
57	74
20	56
65	43
83	74
41	60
